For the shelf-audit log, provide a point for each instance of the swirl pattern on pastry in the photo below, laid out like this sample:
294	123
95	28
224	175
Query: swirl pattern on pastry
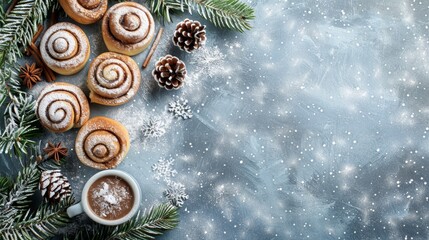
113	79
128	28
62	106
84	11
65	48
102	143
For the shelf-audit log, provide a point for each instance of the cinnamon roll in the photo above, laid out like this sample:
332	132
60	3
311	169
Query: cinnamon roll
102	143
113	79
84	11
127	28
65	48
62	106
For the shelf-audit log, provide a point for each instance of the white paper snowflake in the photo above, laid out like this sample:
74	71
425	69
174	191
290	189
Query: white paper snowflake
164	169
180	109
176	194
154	128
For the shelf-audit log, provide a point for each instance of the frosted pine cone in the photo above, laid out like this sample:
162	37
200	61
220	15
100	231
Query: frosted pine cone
169	72
54	186
189	35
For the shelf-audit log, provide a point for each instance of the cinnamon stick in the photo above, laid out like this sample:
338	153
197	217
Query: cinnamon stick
153	48
11	7
49	74
35	37
37	34
54	17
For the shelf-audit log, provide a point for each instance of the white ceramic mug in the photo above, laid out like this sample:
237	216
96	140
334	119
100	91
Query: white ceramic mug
84	207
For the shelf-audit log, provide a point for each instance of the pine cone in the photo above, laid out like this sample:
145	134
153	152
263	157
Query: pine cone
54	186
169	72
189	35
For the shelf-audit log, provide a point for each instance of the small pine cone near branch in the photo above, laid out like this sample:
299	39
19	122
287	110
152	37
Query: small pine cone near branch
169	72
189	35
54	186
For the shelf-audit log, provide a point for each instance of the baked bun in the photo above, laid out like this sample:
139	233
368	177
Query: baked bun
84	11
113	79
127	28
65	48
62	106
102	143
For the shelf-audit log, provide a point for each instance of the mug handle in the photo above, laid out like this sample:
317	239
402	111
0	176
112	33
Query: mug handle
74	210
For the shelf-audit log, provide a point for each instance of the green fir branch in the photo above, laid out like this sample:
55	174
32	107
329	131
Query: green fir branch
10	83
25	186
51	164
21	110
17	200
2	17
19	118
154	223
6	185
231	14
18	220
164	8
17	30
20	27
41	224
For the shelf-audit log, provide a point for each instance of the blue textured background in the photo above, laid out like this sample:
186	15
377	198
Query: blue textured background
313	125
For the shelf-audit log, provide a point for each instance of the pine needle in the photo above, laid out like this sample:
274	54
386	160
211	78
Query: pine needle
231	14
18	220
41	224
154	223
17	30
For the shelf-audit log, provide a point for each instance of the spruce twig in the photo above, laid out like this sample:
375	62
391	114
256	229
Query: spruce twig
18	28
41	224
19	117
154	223
17	220
6	185
232	14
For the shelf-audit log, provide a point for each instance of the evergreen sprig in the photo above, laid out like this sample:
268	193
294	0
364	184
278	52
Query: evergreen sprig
2	17
41	224
17	219
6	185
232	14
164	8
17	29
20	26
19	118
154	223
22	190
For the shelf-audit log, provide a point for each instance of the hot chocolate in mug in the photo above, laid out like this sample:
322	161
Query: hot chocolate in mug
110	197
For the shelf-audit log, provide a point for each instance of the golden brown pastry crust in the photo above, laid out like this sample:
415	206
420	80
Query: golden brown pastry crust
65	48
62	106
127	28
113	79
84	11
102	143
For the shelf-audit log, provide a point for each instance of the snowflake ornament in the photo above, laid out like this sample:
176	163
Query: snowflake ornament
164	169
176	194
180	109
154	128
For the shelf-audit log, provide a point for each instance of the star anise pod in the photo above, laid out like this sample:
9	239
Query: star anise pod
55	151
30	75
